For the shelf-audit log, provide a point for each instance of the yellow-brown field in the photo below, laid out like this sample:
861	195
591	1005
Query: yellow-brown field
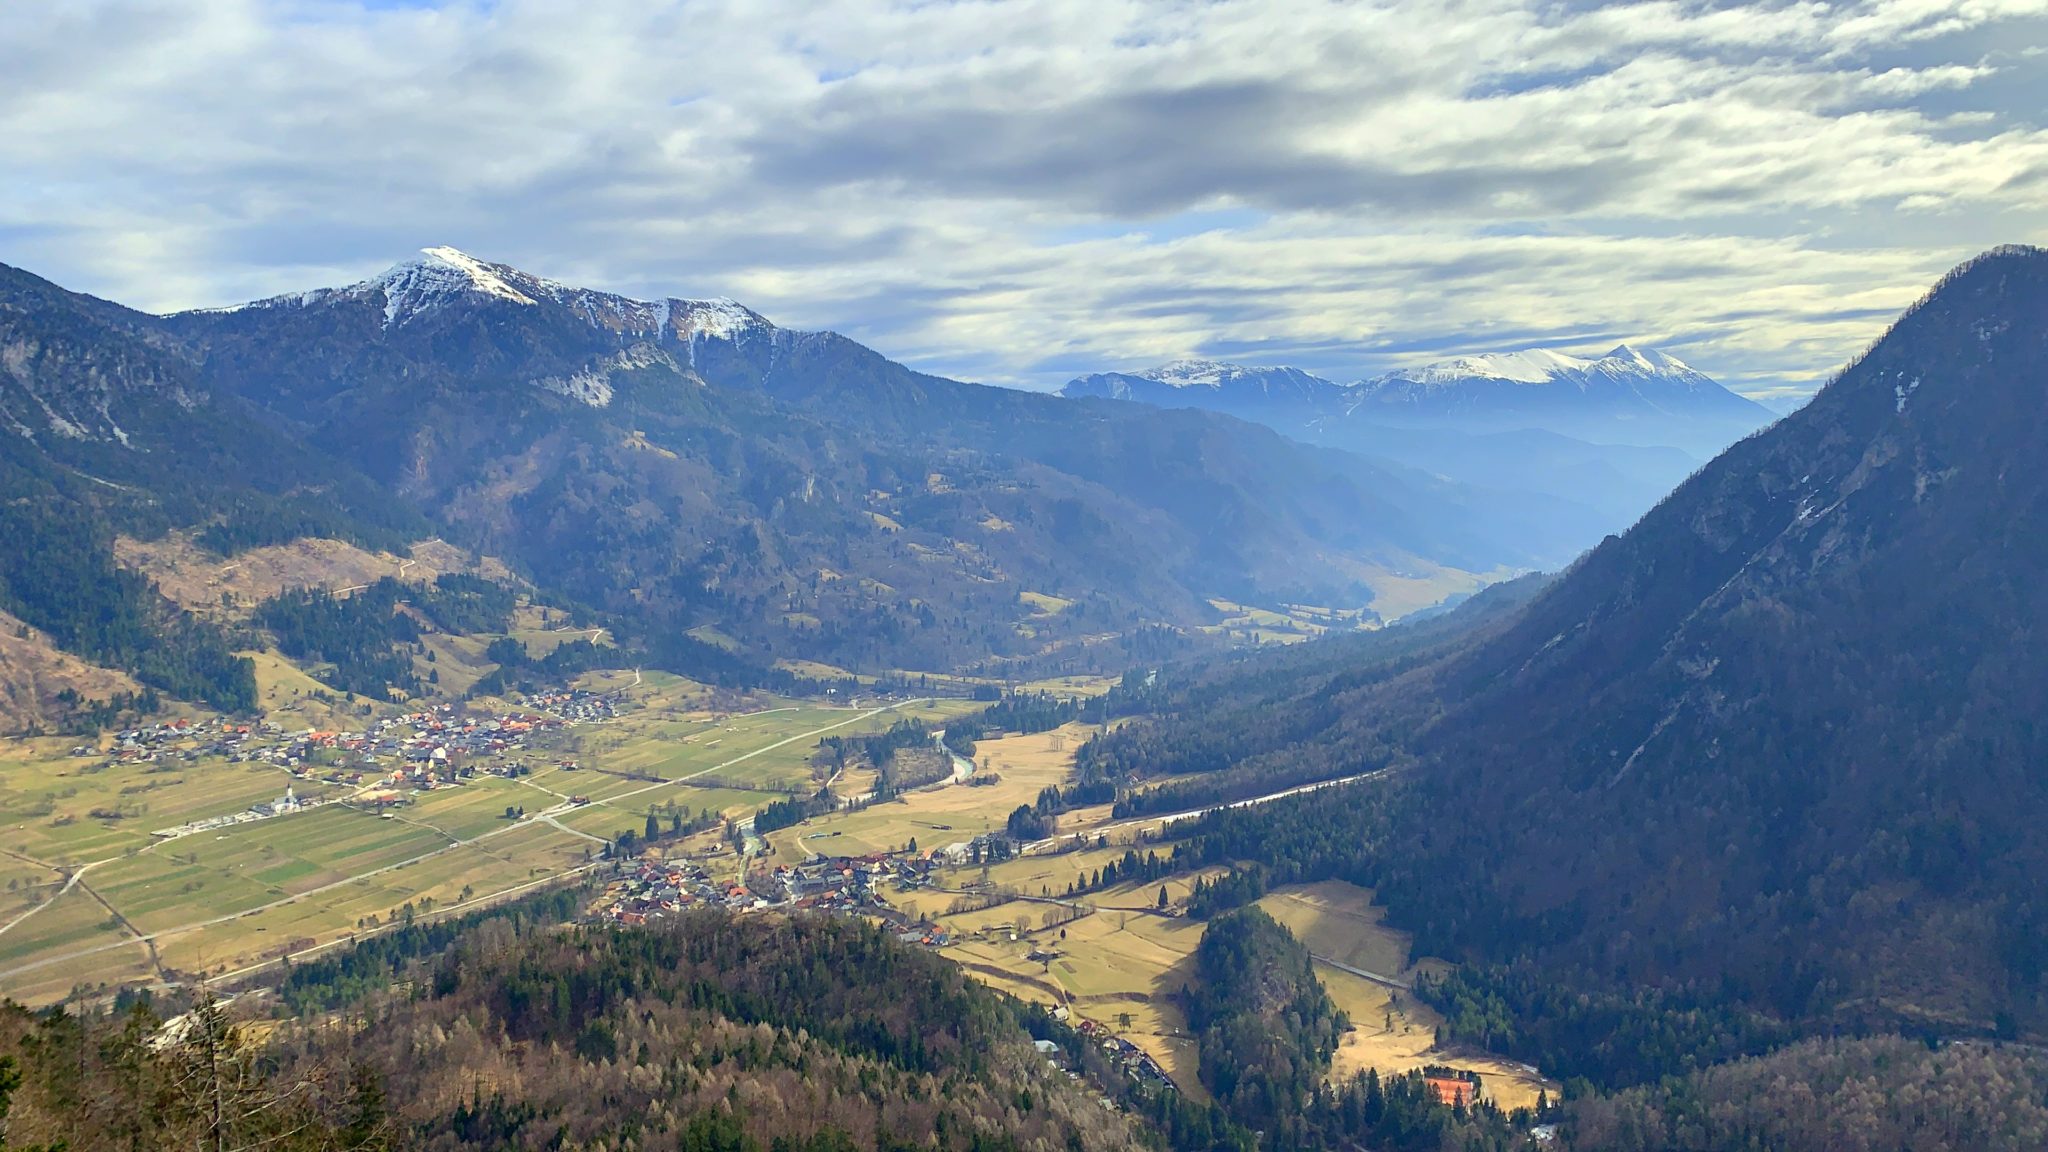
33	671
202	582
939	816
1122	958
1391	1030
1122	961
1120	969
1339	921
288	696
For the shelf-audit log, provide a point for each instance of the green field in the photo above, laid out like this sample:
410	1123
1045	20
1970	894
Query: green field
474	808
223	899
47	799
254	864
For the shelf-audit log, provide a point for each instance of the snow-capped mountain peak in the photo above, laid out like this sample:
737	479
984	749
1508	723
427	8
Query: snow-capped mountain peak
434	274
1631	393
1541	366
1193	373
595	338
412	286
1648	358
1199	373
441	276
1530	366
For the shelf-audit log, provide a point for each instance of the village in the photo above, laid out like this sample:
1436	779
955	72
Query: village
646	890
432	748
438	733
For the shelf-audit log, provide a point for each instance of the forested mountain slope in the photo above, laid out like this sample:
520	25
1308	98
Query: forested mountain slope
1785	734
709	1033
1884	1093
106	427
677	464
583	429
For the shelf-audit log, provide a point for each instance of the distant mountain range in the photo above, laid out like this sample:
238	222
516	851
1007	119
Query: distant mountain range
1612	434
1267	395
1629	396
682	464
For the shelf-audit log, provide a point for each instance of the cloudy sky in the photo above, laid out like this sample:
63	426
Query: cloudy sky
1018	192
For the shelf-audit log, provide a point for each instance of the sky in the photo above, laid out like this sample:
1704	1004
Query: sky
1024	191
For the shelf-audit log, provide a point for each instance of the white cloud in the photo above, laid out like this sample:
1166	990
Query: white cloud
1016	191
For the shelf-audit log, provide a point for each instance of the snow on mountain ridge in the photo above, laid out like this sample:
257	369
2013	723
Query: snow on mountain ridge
1627	392
1528	366
442	274
411	287
1537	366
641	333
1217	374
1193	373
1533	366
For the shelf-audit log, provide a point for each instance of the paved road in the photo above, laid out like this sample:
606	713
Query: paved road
77	874
1375	977
873	712
1054	843
549	819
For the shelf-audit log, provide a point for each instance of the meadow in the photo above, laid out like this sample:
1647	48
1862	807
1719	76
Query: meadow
1391	1029
1122	961
222	900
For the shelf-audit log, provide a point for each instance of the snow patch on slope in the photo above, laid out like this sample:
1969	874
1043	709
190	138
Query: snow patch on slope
721	318
593	385
592	388
1533	366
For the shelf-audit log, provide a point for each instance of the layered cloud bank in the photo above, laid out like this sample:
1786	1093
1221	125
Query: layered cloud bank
1018	192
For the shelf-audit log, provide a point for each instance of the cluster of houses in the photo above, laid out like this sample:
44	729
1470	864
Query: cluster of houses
425	749
1135	1061
440	734
573	705
180	739
647	890
440	742
844	885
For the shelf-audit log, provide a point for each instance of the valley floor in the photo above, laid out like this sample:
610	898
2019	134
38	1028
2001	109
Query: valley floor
146	863
160	856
